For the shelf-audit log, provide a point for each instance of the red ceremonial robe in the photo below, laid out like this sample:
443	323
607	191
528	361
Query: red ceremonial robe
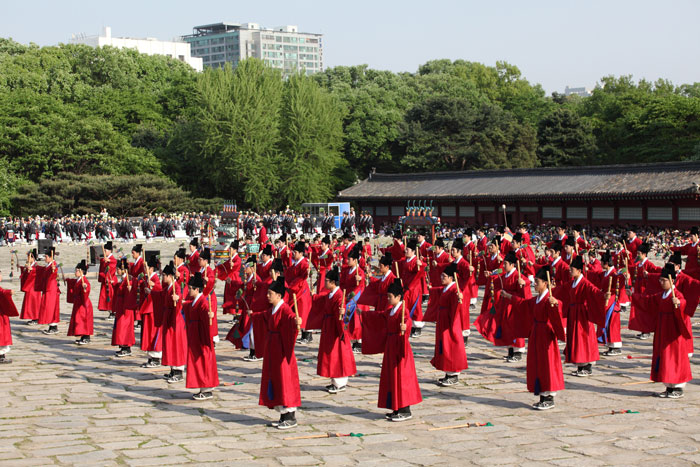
353	291
471	255
239	335
373	333
263	270
295	278
441	259
152	316
498	324
541	323
398	382
7	310
174	328
183	278
323	262
81	319
606	280
466	279
32	296
107	277
669	362
584	308
692	265
449	355
210	278
202	371
135	296
123	331
491	263
335	357
46	282
193	262
279	384
230	272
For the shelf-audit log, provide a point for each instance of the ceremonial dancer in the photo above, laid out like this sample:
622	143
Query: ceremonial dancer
107	277
412	274
7	310
32	293
47	276
123	334
352	283
539	318
230	272
202	372
375	295
78	293
295	276
174	326
241	334
193	256
279	384
609	281
209	277
398	382
692	251
151	315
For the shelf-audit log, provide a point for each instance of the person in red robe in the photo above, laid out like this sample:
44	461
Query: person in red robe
279	384
264	267
466	280
230	272
193	256
561	277
202	372
182	272
78	293
260	305
209	277
633	243
241	334
375	295
569	252
423	252
449	355
609	281
525	256
335	357
398	382
47	283
295	277
262	233
539	318
498	325
639	279
137	271
439	259
583	306
28	284
282	250
323	261
692	251
622	260
123	330
107	277
492	264
412	273
670	364
352	283
152	315
7	310
174	326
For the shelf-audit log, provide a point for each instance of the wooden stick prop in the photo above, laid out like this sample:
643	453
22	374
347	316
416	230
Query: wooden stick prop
612	412
673	289
634	383
459	291
296	310
325	435
636	357
211	320
342	308
505	218
517	263
464	425
549	284
398	276
403	313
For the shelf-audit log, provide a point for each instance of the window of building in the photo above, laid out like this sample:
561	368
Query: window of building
631	213
397	210
689	214
603	212
551	212
660	213
448	211
577	212
382	211
529	208
466	211
486	208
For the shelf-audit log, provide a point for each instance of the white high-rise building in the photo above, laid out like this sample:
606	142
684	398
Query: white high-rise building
284	47
150	46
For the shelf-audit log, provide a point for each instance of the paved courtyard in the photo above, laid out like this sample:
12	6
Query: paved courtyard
61	404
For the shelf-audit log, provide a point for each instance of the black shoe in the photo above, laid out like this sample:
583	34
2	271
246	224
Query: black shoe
643	335
402	415
202	396
4	360
415	332
123	352
137	324
168	375
510	354
287	421
516	357
448	380
466	340
51	330
612	351
110	317
83	340
151	363
333	389
356	347
251	356
176	377
390	414
32	322
307	340
545	403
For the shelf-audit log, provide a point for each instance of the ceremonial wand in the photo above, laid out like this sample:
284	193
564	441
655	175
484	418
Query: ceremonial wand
673	290
403	313
296	311
326	435
612	412
465	425
632	357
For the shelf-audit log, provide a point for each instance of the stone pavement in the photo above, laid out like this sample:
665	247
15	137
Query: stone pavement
61	404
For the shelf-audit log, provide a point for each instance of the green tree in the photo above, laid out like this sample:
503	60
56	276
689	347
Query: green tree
564	139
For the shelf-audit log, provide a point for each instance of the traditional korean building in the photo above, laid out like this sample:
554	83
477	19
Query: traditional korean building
662	194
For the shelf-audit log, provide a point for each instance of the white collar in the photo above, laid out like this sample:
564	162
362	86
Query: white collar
556	261
421	243
250	278
294	263
330	295
277	307
109	255
668	292
542	295
196	298
137	260
447	287
695	244
633	239
494	256
457	260
575	283
562	237
610	270
171	285
440	254
266	262
642	263
396	308
410	259
508	274
352	270
152	274
386	275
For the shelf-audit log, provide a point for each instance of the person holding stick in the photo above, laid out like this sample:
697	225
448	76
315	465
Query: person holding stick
7	310
49	310
539	319
209	276
295	276
241	334
32	296
151	310
449	355
335	357
412	274
398	382
123	333
107	277
608	280
78	293
670	361
174	328
202	372
279	383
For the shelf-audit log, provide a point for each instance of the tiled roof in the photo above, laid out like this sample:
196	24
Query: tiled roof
641	181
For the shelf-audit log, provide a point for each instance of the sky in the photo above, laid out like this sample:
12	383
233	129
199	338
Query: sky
553	43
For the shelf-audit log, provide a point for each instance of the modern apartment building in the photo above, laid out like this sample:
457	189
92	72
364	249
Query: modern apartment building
284	48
